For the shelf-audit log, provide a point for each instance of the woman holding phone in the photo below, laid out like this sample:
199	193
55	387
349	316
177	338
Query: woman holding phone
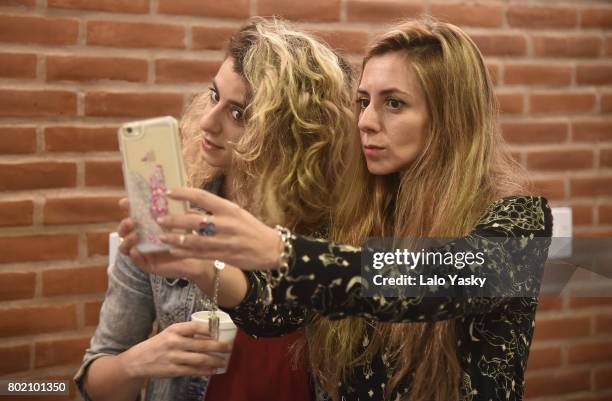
432	164
268	136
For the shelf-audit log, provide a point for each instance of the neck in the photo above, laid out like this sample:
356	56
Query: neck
227	190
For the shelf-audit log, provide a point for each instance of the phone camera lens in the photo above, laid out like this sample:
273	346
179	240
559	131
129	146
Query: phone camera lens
129	130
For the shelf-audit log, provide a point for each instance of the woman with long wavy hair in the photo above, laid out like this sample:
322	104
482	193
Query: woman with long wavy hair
267	136
430	163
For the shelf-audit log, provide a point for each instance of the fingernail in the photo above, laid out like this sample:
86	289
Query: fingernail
168	192
160	220
163	237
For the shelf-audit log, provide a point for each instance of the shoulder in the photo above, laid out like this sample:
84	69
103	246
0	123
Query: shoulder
518	214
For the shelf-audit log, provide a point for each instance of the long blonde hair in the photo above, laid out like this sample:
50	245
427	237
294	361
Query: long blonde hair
298	121
462	168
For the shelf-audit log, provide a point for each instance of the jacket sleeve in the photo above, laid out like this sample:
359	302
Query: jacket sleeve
126	317
327	278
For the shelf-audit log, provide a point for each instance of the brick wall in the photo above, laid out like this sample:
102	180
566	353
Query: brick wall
71	71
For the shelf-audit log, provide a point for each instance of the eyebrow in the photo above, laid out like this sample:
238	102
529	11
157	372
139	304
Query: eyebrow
230	101
384	92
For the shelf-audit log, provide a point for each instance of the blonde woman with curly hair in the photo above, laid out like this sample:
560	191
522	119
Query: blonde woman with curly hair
431	163
269	136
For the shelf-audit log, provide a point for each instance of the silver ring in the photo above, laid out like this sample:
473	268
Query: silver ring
219	265
181	239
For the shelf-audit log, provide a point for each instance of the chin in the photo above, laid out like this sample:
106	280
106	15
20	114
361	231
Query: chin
214	161
379	169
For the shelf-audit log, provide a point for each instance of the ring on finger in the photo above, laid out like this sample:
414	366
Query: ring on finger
181	239
206	226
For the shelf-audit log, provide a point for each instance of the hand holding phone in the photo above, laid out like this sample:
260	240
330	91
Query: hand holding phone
152	164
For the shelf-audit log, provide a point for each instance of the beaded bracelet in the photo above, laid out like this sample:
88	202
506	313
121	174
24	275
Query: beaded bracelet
275	276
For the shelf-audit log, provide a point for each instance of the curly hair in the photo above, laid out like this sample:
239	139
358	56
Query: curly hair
299	121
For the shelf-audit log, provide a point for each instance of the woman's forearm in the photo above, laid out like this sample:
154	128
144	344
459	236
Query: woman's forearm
108	379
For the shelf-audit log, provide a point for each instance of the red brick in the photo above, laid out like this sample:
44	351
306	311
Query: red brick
114	104
116	6
599	351
510	103
566	46
313	10
16	213
92	313
81	139
587	302
544	358
537	74
470	14
103	174
41	30
591	186
603	378
605	214
557	383
558	160
14	358
592	130
84	280
37	175
81	210
493	70
603	324
27	3
206	8
526	132
593	232
77	68
211	37
17	140
47	247
548	302
37	103
597	17
97	243
582	215
34	320
135	34
501	44
17	285
347	41
594	74
60	352
606	102
554	329
183	71
541	17
551	188
605	157
562	102
382	10
17	65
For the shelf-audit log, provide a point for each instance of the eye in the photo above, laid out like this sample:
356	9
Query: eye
214	95
394	103
363	102
237	114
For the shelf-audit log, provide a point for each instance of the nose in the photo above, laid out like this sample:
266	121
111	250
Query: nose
211	119
369	122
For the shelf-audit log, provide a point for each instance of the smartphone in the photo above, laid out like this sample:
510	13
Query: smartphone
152	164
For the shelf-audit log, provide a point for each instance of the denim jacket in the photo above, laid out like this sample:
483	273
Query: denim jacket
133	301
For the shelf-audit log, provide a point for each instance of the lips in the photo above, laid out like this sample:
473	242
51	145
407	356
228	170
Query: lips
209	145
373	147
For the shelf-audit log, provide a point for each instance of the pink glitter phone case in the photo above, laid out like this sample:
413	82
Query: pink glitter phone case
152	163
